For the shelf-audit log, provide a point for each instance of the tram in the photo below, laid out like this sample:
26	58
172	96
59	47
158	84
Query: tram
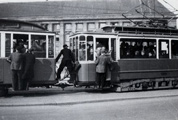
144	58
14	32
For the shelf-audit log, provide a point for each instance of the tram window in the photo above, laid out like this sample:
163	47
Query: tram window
174	48
51	47
74	47
113	48
82	49
82	38
163	49
102	42
90	51
0	45
20	40
38	44
76	53
8	45
137	48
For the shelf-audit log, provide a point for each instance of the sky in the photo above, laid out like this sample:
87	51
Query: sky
172	5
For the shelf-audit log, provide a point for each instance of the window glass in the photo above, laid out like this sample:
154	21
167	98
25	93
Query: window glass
82	48
0	45
74	48
38	43
174	46
137	48
91	26
20	40
51	47
56	27
90	47
8	45
163	49
79	27
76	55
113	48
68	27
100	44
102	24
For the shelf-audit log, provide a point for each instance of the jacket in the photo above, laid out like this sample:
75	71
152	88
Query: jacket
102	63
67	55
17	61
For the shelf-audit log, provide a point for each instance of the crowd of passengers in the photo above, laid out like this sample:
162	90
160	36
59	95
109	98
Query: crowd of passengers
137	49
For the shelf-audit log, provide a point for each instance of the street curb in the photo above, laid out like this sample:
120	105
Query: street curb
85	102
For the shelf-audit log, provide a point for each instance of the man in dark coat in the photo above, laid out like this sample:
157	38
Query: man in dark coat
28	74
67	61
17	61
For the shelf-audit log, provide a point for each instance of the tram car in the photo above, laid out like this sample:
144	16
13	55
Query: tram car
13	32
144	58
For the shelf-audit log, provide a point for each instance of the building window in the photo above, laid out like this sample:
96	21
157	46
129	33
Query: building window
102	24
79	27
68	27
91	26
56	27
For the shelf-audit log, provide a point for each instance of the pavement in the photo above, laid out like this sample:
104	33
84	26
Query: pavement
71	95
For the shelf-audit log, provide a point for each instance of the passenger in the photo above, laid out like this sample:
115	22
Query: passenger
67	60
28	74
102	63
17	63
132	49
82	54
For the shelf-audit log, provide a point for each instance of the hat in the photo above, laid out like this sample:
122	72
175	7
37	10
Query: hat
65	45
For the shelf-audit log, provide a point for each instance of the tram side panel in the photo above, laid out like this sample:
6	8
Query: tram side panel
7	77
1	70
145	69
83	74
87	74
44	72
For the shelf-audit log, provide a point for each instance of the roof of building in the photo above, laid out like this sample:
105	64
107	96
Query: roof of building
82	9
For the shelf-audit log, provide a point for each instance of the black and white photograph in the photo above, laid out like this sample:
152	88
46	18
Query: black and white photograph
88	59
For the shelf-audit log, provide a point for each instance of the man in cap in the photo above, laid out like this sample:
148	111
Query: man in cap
17	63
67	61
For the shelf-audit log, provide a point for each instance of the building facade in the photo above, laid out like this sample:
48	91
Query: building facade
68	17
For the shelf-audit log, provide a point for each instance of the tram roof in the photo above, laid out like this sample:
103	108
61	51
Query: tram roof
93	33
140	30
17	25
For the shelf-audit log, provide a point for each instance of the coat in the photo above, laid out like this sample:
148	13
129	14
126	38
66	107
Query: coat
102	63
29	66
17	61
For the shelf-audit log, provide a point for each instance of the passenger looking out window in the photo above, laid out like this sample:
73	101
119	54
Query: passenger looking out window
137	48
174	46
90	47
82	54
